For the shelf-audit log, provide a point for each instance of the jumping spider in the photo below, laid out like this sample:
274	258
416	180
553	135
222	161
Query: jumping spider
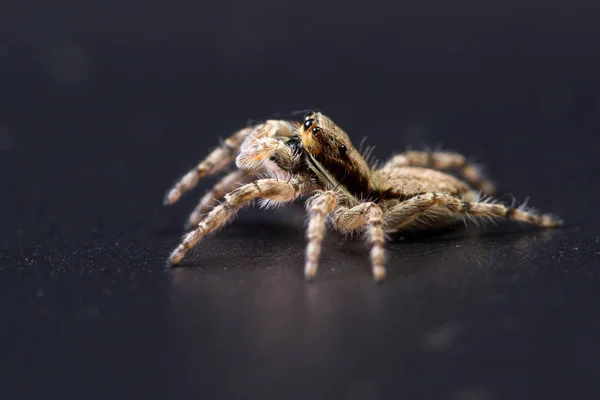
316	159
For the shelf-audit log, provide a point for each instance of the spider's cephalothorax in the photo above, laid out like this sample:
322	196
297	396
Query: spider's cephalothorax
328	145
316	159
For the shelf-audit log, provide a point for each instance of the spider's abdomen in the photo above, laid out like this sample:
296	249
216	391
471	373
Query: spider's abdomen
406	182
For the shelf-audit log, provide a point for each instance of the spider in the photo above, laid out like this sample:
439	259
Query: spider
280	161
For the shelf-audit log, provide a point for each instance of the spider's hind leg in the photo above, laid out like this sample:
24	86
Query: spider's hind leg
430	208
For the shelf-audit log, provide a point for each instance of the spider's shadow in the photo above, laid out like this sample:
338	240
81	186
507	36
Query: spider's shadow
514	236
458	234
288	233
461	232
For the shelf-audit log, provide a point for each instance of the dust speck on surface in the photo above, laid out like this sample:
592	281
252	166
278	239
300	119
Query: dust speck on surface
7	138
362	390
555	98
441	337
68	63
92	312
474	393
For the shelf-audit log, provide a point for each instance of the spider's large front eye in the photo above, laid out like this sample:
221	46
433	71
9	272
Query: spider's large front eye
342	149
308	123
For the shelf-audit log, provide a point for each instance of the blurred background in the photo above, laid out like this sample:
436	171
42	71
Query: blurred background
103	104
136	92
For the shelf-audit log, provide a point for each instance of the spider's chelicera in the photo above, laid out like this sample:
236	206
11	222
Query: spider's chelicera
279	161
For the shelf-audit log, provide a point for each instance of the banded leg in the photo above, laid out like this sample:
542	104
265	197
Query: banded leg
319	207
371	215
272	189
222	156
212	197
426	208
444	161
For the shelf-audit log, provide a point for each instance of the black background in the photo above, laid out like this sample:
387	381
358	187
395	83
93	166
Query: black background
105	104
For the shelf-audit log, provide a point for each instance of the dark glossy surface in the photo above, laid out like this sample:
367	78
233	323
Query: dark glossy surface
102	112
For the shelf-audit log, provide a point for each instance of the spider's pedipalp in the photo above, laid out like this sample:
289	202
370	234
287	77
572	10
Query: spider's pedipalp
272	189
443	161
212	197
319	207
263	144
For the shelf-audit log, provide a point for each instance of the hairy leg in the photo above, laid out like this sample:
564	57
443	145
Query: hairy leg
222	156
214	195
369	215
319	207
426	208
271	189
444	161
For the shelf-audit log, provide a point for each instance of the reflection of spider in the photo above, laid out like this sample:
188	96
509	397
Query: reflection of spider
317	159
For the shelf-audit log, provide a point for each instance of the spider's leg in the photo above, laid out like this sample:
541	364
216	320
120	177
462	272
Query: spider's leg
214	195
218	159
223	155
319	207
429	206
444	161
369	215
271	189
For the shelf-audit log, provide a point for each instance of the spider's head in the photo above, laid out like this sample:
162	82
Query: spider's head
332	148
323	138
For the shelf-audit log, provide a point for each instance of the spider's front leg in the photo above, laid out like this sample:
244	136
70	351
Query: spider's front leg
319	208
369	215
224	155
271	189
214	195
443	161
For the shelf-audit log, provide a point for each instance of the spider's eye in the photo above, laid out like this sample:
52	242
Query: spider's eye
308	123
316	129
342	149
